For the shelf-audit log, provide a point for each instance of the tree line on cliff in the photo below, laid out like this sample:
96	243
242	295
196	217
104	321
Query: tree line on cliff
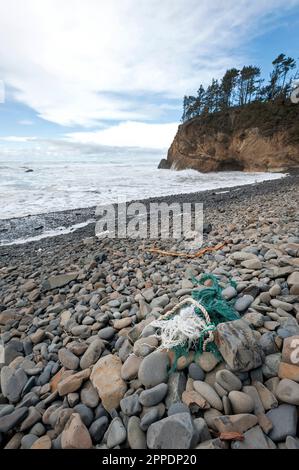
241	87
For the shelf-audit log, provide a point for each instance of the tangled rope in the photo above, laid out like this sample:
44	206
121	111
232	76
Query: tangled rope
185	328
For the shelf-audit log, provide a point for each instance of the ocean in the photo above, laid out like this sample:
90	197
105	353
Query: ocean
36	185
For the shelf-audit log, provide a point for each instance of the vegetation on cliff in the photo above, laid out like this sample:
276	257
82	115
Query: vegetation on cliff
242	87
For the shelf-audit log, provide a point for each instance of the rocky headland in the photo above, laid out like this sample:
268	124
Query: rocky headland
257	137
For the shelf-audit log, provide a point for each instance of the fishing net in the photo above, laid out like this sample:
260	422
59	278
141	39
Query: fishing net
190	325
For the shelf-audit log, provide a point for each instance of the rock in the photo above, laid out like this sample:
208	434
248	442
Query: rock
72	383
68	359
107	333
254	264
116	433
154	369
284	420
228	380
153	396
229	293
43	442
280	304
173	432
55	282
213	444
275	290
136	437
130	367
207	361
288	371
150	417
28	440
176	386
238	345
32	418
178	407
288	391
293	278
89	395
254	318
12	383
75	434
8	422
241	402
235	423
254	438
267	343
92	354
130	405
83	331
243	303
106	378
161	301
267	398
271	365
289	350
98	429
144	346
202	430
208	393
292	443
193	397
196	372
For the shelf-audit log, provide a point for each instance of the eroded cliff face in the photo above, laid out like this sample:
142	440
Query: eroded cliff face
238	140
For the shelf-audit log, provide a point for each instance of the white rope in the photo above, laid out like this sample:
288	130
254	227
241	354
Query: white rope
183	328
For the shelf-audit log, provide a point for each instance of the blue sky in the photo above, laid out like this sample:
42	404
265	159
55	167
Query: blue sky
114	73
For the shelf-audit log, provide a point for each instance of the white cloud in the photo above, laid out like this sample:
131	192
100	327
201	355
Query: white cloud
129	134
80	62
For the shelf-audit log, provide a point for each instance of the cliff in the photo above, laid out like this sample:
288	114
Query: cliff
256	137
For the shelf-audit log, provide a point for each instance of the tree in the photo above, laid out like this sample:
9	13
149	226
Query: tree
228	84
278	85
249	84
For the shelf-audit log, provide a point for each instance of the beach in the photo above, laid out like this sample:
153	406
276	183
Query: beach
75	309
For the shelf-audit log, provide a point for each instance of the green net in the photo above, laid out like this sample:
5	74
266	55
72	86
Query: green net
219	310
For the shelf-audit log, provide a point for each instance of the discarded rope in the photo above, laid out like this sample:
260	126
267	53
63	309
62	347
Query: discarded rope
192	327
186	327
198	254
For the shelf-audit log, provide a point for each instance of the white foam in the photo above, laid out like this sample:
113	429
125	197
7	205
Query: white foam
63	183
48	233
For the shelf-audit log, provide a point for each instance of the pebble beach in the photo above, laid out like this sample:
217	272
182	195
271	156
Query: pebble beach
82	365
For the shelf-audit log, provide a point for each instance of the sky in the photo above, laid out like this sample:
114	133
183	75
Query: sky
113	74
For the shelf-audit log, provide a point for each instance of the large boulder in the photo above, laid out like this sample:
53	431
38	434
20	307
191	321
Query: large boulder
106	378
238	346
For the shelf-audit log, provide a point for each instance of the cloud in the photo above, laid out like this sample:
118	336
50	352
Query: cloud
129	134
83	63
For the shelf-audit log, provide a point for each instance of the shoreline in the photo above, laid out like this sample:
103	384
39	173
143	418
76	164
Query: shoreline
33	228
